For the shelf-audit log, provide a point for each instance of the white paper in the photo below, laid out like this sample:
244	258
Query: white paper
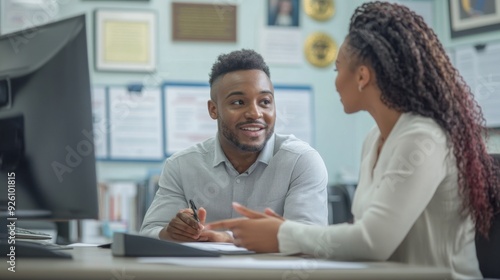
252	263
100	122
17	15
282	45
294	113
135	124
215	246
74	245
187	119
480	71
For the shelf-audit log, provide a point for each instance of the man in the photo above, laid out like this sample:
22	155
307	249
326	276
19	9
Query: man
246	162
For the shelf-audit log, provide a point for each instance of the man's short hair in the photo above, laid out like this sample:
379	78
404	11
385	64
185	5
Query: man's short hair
238	60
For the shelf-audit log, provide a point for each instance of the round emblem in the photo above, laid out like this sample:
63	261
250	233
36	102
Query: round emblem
320	49
319	9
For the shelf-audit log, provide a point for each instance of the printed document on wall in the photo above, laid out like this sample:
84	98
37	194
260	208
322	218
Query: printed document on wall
294	112
99	118
479	68
281	46
187	119
135	124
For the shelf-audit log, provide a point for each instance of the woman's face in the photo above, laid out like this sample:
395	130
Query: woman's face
346	82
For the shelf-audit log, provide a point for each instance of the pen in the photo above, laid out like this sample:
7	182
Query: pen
195	210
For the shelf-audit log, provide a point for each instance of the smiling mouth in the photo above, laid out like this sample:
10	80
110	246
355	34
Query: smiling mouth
252	133
252	128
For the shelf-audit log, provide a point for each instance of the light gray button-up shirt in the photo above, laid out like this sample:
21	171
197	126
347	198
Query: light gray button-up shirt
289	176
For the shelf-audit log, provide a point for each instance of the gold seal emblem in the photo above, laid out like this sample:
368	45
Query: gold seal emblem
319	9
320	49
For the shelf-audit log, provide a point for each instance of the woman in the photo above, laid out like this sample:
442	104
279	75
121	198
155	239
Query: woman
426	179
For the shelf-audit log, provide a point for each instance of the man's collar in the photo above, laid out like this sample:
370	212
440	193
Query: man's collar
265	155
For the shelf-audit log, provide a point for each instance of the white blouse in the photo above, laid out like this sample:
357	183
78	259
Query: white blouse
406	207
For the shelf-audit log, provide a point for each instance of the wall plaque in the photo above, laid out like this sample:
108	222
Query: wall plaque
203	22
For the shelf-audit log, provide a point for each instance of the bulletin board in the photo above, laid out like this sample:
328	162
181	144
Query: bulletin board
135	123
128	123
478	65
187	121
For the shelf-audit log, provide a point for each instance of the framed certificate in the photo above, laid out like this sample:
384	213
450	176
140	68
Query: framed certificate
125	40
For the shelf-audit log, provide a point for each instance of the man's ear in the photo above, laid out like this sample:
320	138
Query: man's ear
212	109
364	76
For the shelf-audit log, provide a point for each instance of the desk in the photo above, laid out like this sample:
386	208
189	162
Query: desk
96	263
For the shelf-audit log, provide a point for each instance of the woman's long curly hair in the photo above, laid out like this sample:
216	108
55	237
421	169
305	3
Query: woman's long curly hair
415	75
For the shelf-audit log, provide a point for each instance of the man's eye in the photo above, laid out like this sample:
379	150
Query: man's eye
237	102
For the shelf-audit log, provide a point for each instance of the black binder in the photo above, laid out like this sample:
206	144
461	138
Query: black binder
131	245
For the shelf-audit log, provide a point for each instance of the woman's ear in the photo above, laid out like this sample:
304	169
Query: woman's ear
212	109
364	77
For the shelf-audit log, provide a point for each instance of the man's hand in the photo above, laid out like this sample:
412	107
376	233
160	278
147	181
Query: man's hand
215	236
183	227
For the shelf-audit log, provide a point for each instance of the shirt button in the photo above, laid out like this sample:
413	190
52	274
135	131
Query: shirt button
238	181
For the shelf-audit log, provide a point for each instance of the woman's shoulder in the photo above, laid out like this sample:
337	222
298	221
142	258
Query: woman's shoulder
418	133
412	124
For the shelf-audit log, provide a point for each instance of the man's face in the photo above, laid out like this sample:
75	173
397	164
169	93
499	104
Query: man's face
244	108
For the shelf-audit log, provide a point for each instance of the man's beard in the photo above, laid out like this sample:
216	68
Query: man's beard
229	135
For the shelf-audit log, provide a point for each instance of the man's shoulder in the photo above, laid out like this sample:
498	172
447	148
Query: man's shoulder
199	149
291	144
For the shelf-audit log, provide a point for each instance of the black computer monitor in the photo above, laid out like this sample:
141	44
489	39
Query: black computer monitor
47	162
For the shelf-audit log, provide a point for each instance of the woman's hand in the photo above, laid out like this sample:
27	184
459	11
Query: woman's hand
257	232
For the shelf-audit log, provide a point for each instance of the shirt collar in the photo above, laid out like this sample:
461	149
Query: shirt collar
265	155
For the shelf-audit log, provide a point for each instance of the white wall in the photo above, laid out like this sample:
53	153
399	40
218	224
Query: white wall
338	136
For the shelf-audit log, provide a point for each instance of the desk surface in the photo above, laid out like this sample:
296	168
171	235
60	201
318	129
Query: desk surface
95	263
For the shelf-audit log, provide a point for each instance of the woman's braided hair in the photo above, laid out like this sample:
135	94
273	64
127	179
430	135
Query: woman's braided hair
415	75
